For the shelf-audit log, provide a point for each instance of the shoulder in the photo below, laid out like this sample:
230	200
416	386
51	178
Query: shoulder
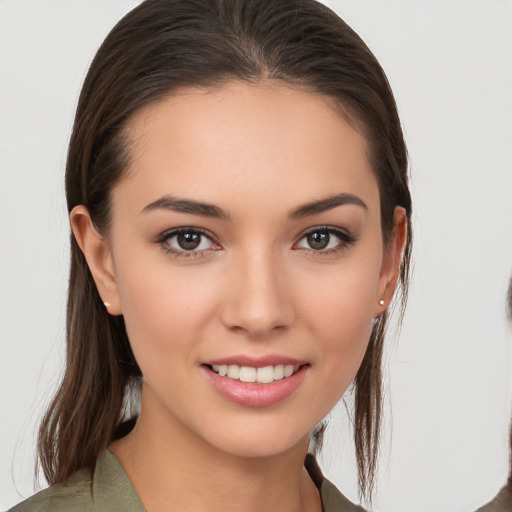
108	490
76	494
332	499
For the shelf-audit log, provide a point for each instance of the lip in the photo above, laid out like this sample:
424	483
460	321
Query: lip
256	362
252	394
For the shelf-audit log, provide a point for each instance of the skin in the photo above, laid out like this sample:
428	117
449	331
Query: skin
254	288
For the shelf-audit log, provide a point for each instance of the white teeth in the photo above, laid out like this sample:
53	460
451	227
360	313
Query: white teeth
233	371
264	375
247	374
279	372
221	369
288	370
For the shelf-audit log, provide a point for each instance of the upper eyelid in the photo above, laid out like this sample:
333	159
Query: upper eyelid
330	229
344	236
164	241
169	233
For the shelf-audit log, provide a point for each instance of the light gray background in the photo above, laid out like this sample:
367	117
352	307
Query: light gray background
450	65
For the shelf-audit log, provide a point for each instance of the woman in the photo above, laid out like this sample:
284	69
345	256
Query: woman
503	500
237	189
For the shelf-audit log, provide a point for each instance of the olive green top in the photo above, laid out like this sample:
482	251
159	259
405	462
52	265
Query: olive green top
111	490
502	502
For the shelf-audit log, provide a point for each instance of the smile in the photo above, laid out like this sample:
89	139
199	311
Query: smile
264	375
256	383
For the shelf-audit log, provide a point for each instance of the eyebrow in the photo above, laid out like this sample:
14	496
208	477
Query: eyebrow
186	206
326	204
210	210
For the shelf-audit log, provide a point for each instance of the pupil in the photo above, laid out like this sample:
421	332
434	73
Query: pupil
189	241
318	240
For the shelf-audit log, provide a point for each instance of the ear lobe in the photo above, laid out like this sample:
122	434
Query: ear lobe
391	261
99	257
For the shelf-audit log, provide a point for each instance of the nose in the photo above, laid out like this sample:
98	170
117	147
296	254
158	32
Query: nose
258	297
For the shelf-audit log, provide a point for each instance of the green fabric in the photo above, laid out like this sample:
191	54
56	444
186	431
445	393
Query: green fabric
112	491
502	502
334	501
109	491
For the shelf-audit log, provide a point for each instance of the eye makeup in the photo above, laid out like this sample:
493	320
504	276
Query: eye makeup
324	240
193	242
187	242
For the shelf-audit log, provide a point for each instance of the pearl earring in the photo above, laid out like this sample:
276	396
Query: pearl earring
107	304
381	302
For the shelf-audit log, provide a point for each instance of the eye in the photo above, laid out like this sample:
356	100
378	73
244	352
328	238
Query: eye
186	242
324	239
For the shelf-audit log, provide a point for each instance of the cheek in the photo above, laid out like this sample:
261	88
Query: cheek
344	324
340	314
164	308
345	296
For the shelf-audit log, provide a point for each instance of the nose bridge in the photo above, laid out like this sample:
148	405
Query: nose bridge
258	302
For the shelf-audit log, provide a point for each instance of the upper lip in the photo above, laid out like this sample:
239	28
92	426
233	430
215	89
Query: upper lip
256	362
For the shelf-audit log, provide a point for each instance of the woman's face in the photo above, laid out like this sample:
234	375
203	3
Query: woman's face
246	239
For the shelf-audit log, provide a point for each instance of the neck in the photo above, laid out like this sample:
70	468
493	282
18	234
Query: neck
172	468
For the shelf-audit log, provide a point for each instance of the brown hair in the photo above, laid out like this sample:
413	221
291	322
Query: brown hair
162	45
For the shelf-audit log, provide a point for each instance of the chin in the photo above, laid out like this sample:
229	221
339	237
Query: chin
260	441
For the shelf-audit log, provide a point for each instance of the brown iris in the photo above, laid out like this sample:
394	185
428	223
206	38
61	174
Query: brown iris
318	240
188	241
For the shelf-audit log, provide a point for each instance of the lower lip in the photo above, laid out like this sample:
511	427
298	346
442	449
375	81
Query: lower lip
253	394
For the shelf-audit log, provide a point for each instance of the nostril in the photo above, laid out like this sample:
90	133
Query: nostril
257	303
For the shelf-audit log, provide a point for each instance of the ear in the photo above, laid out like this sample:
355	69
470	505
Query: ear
99	258
391	261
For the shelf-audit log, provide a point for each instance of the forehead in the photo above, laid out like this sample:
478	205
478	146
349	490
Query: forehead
244	140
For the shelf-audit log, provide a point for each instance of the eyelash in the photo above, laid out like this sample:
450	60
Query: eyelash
165	238
345	239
